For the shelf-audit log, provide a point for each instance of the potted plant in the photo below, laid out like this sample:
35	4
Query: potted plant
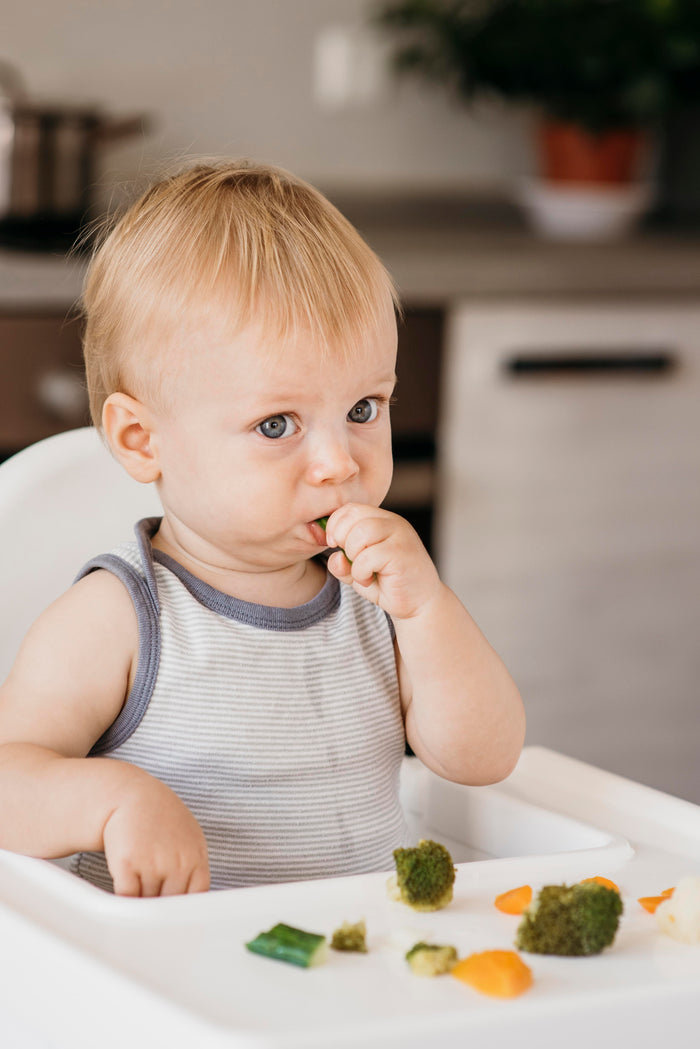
602	73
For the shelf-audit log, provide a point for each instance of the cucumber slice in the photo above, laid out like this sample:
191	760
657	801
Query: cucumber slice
323	522
287	944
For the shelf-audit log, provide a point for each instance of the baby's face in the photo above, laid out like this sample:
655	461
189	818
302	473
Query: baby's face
261	442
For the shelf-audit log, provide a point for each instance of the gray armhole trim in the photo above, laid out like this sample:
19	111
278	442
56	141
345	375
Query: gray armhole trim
392	628
141	691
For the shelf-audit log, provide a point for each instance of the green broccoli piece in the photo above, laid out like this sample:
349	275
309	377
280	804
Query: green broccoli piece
571	920
424	876
430	959
350	937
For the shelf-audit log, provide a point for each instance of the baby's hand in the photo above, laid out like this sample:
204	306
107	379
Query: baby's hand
382	558
153	844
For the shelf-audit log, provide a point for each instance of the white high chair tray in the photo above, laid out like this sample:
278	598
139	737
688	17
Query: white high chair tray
78	965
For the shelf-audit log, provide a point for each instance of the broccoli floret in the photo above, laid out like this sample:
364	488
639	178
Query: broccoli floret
350	937
571	920
424	876
430	959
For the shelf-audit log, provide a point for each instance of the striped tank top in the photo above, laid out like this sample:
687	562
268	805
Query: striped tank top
280	728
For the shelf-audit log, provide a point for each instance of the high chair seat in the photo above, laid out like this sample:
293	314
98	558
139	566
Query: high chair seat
62	501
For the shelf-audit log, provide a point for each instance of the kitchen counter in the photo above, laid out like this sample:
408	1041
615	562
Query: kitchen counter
441	266
439	250
37	282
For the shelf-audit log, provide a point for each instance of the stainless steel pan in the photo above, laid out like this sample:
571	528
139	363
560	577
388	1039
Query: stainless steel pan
48	159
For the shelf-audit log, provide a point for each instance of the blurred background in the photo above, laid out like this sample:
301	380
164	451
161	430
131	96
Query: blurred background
530	175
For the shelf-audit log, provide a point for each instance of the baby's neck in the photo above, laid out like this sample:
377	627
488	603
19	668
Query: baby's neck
285	587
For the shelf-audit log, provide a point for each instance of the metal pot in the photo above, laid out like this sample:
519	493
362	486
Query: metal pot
47	164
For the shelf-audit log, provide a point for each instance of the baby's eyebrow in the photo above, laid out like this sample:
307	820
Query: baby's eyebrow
391	378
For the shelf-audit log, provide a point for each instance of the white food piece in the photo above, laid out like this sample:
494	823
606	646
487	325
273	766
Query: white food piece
406	936
679	916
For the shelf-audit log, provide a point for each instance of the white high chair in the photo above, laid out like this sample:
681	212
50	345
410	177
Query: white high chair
62	501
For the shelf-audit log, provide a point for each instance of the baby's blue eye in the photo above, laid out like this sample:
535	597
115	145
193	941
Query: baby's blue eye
365	411
277	426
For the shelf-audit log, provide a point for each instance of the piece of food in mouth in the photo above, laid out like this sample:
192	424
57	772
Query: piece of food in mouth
323	522
570	920
350	936
431	959
284	943
501	974
679	915
515	900
651	903
424	878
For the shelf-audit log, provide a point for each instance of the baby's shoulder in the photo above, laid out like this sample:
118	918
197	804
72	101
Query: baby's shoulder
96	607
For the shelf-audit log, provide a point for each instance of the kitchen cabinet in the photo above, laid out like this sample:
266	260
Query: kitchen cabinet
569	503
414	417
41	377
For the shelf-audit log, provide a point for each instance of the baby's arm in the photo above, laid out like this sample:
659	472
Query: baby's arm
67	686
463	713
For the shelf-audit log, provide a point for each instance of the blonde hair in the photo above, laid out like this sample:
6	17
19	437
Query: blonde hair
249	241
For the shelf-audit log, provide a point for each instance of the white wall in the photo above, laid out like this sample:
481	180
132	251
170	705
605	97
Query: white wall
235	77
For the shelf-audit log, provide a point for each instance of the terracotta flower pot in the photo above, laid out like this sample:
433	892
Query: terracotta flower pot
569	153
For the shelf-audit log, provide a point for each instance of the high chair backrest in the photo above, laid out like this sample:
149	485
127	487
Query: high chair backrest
62	501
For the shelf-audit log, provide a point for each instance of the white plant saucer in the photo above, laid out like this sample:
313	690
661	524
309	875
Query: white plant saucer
583	211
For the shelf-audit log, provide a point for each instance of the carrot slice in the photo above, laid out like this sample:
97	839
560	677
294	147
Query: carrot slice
602	881
650	903
515	900
501	974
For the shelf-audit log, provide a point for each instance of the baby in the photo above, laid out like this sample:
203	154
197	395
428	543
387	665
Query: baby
223	702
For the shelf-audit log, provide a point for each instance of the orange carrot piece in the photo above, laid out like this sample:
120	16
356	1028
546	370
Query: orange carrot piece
515	900
650	903
602	881
501	974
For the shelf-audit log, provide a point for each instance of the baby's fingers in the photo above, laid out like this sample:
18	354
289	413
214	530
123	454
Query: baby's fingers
340	567
199	880
126	880
364	568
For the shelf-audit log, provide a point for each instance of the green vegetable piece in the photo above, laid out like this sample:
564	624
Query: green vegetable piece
323	522
287	944
571	920
424	876
350	937
431	959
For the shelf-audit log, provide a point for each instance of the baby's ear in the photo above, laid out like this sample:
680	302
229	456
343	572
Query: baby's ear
128	428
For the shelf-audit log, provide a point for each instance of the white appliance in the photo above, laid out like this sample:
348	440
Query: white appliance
569	520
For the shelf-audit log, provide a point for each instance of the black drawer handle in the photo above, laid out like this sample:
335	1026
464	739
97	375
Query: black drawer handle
593	363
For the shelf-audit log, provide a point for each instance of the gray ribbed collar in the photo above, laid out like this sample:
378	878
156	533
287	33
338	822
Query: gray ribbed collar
266	617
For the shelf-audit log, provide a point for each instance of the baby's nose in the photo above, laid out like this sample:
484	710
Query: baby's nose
332	462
